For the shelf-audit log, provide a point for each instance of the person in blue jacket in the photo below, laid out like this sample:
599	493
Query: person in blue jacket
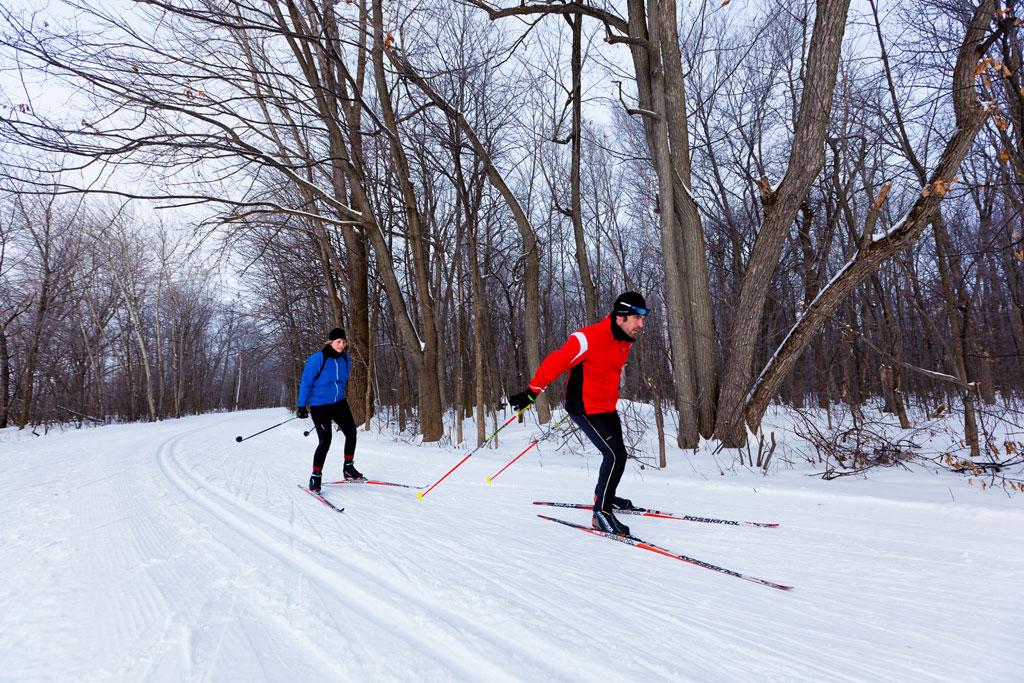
322	389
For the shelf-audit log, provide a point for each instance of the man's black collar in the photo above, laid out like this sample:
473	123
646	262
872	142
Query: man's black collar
617	331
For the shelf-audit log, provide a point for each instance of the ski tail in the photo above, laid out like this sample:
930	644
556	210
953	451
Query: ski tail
320	497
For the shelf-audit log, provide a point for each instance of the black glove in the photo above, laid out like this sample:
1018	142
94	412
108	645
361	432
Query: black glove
302	413
522	401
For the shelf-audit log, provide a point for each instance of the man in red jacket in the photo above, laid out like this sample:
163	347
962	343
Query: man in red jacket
597	353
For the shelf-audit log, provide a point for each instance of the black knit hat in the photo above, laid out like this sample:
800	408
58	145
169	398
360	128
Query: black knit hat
336	333
630	303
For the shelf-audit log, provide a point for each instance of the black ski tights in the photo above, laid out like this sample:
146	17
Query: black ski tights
605	430
322	417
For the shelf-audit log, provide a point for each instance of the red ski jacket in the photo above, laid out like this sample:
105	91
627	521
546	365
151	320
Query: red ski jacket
596	355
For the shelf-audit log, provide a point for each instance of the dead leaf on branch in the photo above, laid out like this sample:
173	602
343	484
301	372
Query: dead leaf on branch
940	187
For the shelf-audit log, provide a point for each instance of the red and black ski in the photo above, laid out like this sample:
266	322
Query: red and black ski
644	545
644	512
371	481
321	498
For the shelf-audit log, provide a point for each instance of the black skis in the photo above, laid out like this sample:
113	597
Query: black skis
644	545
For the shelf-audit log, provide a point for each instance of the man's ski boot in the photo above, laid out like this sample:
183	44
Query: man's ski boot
351	472
314	482
605	521
621	503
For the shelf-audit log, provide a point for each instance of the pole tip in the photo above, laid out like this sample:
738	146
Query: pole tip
238	439
488	480
419	494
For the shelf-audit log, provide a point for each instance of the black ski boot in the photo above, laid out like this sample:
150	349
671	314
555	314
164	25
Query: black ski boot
314	482
621	503
351	472
605	521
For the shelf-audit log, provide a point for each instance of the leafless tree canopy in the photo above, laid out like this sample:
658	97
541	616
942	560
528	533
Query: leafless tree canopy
823	204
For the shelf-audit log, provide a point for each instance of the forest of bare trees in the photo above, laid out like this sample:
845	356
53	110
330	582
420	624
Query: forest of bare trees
822	202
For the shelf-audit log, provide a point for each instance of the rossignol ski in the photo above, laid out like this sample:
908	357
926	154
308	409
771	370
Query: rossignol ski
659	514
644	545
320	497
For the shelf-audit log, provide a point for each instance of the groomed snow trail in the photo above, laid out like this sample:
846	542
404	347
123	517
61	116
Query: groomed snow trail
169	552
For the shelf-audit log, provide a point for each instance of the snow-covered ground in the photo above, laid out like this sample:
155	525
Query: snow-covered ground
169	552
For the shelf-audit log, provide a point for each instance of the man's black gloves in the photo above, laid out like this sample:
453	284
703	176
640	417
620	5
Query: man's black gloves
522	401
302	413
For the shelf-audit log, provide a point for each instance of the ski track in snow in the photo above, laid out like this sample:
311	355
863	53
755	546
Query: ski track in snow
168	552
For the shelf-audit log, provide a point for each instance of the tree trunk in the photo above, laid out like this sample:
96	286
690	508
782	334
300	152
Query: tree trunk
368	392
677	315
5	378
951	276
805	161
133	312
692	259
428	391
970	117
32	355
986	383
576	209
360	344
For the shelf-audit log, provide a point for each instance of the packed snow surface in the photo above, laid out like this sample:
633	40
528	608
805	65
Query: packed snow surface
170	552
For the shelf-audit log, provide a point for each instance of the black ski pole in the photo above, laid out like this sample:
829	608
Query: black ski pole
240	439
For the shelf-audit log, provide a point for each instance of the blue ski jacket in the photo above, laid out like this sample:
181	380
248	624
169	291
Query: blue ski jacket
324	379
